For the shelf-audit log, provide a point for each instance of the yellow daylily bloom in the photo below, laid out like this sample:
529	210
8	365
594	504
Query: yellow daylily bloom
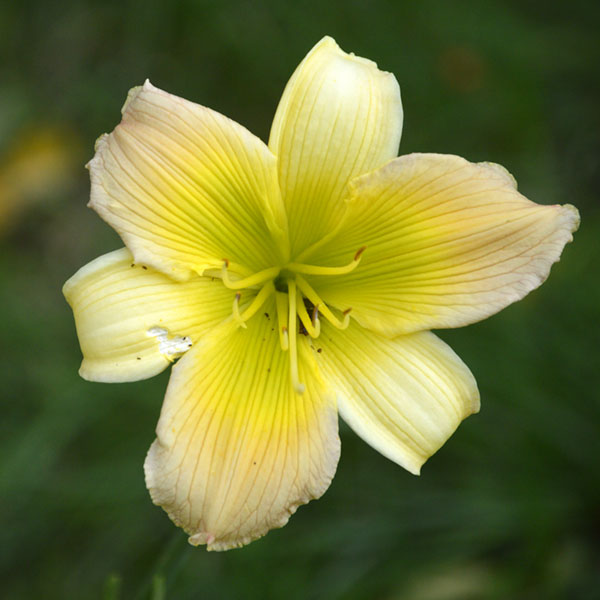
294	280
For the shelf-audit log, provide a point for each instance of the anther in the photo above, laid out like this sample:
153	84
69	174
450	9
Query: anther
359	252
346	319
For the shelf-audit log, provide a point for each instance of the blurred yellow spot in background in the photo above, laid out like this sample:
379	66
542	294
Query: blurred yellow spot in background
36	167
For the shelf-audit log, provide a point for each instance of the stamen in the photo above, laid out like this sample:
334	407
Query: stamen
281	302
346	320
308	291
241	270
255	305
284	338
299	387
312	326
236	311
315	317
252	280
316	270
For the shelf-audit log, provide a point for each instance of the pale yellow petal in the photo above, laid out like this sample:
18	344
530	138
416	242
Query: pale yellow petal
404	396
237	450
185	187
339	117
448	243
133	321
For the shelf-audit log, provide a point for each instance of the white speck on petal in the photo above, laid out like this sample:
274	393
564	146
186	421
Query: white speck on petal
171	347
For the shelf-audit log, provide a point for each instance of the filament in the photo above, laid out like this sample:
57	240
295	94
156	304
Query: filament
308	291
281	302
255	305
312	325
316	270
237	317
299	387
252	280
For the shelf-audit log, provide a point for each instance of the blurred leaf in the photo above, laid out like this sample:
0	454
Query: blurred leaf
112	588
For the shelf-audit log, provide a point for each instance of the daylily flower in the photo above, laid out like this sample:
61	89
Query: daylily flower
294	280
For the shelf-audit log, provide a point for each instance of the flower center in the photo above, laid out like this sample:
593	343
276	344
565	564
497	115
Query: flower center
298	304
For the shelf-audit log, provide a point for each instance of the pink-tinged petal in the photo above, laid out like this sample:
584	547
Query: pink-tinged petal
185	187
448	243
339	116
237	449
404	396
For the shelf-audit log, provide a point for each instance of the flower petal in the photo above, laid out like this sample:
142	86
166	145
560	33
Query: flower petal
237	450
405	397
448	243
133	321
185	187
339	117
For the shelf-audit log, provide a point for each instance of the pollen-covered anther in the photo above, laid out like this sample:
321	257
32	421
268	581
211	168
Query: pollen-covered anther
318	270
359	253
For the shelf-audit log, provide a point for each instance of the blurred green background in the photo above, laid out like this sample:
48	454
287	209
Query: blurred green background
509	508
